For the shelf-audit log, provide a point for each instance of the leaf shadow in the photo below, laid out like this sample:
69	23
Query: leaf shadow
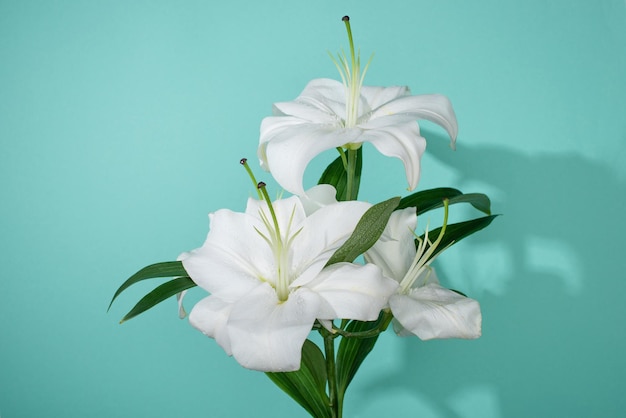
543	346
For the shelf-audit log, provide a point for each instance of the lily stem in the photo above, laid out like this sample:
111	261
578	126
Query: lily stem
331	372
352	190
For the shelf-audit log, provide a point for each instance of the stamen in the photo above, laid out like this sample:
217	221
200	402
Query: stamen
424	254
262	188
244	163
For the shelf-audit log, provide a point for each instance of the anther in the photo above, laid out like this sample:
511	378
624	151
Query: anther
345	18
243	161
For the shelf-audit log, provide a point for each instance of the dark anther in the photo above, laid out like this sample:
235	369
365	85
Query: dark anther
345	18
243	161
261	185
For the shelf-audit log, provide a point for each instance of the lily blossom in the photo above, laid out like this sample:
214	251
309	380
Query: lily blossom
266	275
421	306
330	114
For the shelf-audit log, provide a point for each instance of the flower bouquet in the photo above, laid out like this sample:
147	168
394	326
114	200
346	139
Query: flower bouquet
321	261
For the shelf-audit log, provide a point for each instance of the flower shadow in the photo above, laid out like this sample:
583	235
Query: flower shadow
558	279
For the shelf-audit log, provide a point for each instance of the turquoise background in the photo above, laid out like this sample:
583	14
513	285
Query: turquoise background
122	125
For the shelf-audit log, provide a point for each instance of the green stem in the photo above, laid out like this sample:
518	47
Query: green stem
331	372
352	190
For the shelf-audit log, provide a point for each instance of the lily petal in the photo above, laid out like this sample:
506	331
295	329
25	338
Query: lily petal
395	250
379	96
395	136
433	312
432	107
324	94
226	265
317	197
287	145
352	291
210	316
322	234
267	335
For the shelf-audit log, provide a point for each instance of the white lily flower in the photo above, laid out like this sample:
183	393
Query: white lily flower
329	114
421	306
265	271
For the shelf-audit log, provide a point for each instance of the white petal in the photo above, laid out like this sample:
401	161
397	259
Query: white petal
180	296
210	316
394	136
329	96
289	213
435	312
287	145
432	107
317	197
395	251
267	335
378	96
233	256
351	291
181	308
322	234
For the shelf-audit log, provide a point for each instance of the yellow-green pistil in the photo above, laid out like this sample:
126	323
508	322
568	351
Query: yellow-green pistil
352	78
278	246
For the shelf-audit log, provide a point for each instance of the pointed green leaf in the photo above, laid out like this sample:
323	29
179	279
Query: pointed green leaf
159	294
456	232
314	361
353	351
426	200
166	269
335	175
369	228
307	386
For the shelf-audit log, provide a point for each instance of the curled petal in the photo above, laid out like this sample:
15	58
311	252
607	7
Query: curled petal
182	313
287	145
435	312
432	107
267	334
395	136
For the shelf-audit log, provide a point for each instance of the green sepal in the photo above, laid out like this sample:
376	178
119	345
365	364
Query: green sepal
336	175
157	270
159	294
456	232
307	386
426	200
369	228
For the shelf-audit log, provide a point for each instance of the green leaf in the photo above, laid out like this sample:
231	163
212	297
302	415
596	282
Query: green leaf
307	386
159	294
335	175
367	231
426	200
353	351
456	232
166	269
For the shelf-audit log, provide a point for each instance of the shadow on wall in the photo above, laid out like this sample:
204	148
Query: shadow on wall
550	278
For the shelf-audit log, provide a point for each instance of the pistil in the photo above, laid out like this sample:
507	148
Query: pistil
281	251
352	78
